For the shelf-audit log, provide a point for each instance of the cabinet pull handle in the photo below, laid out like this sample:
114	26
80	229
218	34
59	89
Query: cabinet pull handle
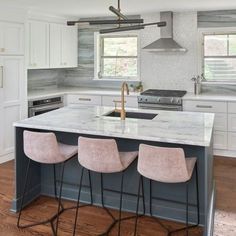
85	99
203	106
1	76
2	49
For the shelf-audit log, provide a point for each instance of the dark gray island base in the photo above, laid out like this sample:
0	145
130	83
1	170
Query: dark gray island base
171	195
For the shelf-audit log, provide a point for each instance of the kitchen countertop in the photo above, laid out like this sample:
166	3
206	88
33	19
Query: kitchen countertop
60	91
167	126
211	97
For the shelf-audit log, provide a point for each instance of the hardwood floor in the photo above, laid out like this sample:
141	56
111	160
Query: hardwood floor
94	220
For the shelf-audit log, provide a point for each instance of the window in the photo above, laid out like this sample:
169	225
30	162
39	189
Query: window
118	57
220	57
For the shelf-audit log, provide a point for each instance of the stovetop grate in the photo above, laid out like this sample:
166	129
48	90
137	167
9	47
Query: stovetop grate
164	93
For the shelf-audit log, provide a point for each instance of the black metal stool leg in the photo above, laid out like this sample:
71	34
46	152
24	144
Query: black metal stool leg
198	207
90	186
143	195
59	202
77	209
137	206
23	195
121	200
197	192
187	208
55	181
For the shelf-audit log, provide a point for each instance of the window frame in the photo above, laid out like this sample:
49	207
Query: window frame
201	54
98	47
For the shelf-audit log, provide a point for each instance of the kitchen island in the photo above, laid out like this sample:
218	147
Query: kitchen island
190	131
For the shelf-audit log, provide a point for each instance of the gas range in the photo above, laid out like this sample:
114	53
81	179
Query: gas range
161	99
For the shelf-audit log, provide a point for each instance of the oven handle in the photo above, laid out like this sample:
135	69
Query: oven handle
32	110
161	107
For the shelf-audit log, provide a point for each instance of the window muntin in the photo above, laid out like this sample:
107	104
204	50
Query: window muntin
220	57
119	57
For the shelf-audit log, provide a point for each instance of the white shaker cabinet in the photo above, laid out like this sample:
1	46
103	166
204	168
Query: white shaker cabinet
11	39
219	108
52	45
69	46
12	100
63	46
38	45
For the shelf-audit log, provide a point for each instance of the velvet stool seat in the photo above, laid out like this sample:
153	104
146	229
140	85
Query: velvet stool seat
166	165
43	148
102	156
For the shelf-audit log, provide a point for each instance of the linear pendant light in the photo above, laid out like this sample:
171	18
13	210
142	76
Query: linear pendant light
133	24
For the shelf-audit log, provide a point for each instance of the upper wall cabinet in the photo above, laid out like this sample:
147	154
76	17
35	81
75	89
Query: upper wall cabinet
63	46
38	45
52	45
11	39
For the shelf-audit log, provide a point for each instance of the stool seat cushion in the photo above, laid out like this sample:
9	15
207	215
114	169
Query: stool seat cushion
67	151
102	155
190	164
44	148
166	165
127	158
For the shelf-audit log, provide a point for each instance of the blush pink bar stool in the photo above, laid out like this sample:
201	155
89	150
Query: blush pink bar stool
166	165
102	156
44	148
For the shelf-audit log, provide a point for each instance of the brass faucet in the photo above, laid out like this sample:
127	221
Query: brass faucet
122	110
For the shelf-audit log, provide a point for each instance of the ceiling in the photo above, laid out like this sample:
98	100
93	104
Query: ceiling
86	8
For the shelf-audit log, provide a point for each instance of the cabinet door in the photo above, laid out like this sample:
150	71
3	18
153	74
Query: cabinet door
232	141
232	122
220	140
55	46
38	45
11	39
12	103
69	46
220	122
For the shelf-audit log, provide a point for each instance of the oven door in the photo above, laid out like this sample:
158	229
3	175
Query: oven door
160	107
34	111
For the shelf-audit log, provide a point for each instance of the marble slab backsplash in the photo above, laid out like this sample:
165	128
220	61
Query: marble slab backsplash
45	79
228	89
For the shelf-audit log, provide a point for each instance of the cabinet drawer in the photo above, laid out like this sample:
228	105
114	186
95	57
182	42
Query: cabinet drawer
130	101
220	123
84	99
232	141
220	140
205	106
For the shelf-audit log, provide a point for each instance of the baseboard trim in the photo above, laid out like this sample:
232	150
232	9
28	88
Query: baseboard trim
6	158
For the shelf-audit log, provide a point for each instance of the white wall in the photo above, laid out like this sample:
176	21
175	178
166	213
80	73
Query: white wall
170	70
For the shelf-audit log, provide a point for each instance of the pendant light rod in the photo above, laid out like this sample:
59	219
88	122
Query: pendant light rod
133	27
106	22
118	13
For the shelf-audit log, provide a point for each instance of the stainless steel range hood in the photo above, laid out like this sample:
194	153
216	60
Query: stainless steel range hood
166	43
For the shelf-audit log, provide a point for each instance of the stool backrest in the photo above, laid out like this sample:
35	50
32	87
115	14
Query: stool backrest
42	147
99	155
162	164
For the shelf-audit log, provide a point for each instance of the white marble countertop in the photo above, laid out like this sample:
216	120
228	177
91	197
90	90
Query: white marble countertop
167	126
211	97
60	91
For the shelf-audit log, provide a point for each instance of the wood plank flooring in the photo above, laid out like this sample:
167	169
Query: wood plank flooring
94	220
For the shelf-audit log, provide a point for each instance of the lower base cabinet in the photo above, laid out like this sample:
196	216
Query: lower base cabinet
232	141
220	140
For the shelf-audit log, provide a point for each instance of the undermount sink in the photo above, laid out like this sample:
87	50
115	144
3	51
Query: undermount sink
134	115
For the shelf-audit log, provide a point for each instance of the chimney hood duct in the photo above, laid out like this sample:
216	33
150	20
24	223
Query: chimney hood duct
166	43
